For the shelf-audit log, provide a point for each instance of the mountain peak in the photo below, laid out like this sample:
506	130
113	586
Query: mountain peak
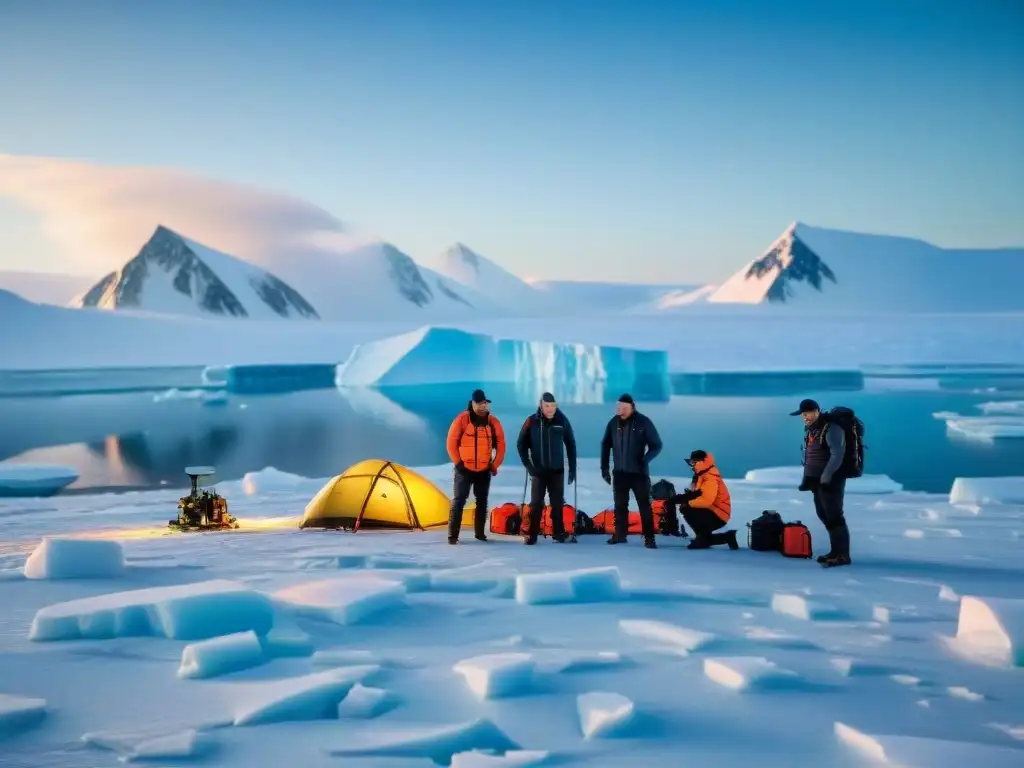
462	252
174	275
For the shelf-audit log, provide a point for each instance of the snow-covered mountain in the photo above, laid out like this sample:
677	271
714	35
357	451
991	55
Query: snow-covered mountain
468	268
826	269
609	297
177	276
371	281
675	299
45	287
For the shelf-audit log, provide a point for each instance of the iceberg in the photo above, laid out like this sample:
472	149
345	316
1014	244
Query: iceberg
790	477
270	379
21	480
765	383
984	427
579	373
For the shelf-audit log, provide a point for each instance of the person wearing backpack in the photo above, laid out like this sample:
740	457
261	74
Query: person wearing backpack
476	446
633	442
544	435
827	465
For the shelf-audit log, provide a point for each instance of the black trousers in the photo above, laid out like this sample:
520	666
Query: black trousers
624	483
828	504
465	481
704	522
551	484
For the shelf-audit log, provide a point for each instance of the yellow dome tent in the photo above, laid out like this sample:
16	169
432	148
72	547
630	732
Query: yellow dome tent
378	494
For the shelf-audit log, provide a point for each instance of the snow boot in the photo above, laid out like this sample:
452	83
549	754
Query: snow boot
616	540
560	538
530	541
453	540
836	560
650	543
728	538
823	558
699	543
481	537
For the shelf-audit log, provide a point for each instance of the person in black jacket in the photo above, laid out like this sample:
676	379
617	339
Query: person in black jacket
634	442
540	445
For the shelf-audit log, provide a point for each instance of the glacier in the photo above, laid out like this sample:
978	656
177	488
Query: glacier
580	373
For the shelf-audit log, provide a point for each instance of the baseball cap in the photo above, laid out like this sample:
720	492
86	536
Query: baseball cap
806	406
626	398
479	396
547	397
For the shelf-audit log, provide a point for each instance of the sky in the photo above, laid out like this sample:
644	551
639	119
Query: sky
580	139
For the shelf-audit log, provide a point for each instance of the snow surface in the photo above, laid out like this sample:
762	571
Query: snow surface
433	355
827	269
791	477
684	639
58	338
59	557
34	479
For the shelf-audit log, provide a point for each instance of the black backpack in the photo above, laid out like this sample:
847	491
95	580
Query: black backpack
764	534
663	490
584	523
668	522
853	428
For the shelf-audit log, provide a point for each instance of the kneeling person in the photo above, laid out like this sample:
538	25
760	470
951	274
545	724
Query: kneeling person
707	506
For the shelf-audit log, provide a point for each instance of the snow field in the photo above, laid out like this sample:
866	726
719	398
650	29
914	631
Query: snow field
394	649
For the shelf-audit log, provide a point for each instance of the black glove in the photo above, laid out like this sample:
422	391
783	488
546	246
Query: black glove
572	476
459	467
606	475
825	485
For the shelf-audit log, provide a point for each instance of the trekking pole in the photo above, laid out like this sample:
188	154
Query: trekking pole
522	507
575	509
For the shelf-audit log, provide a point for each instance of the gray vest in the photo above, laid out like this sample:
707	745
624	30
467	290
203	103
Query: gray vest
816	452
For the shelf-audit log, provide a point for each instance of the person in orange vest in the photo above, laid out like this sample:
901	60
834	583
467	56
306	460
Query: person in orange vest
476	446
707	505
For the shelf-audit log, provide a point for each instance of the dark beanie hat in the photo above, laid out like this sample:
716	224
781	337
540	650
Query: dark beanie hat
626	398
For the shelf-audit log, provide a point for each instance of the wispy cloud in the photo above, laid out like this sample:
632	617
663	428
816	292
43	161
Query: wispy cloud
100	214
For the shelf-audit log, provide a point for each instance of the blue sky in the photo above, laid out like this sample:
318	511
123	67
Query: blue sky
633	141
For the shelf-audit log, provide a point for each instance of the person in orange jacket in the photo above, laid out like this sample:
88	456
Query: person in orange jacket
476	446
707	505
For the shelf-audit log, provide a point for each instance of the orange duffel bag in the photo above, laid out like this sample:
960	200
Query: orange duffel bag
604	522
507	519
